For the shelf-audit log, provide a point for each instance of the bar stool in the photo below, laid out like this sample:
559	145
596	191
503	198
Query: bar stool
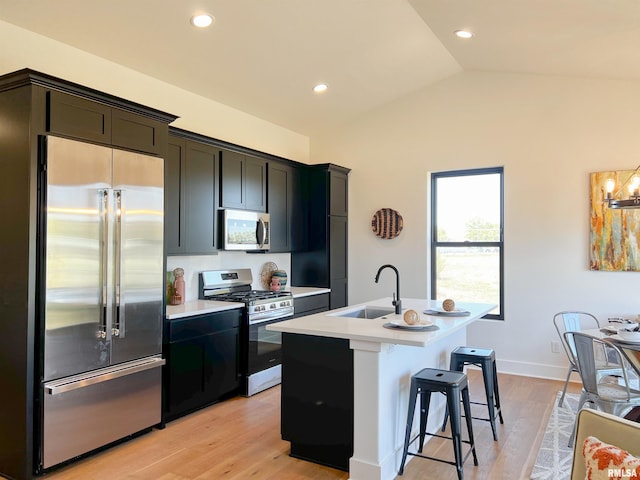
485	358
453	385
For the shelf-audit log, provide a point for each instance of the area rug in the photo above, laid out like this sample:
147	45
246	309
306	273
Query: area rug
555	457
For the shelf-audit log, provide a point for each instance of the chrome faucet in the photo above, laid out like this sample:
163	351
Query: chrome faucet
396	296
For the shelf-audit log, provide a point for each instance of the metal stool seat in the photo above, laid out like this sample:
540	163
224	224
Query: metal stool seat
485	358
454	386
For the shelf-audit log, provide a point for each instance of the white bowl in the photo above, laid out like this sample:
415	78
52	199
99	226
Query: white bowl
629	335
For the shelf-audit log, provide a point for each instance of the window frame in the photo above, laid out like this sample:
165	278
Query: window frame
434	229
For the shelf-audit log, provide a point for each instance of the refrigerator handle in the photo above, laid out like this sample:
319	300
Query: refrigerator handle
118	329
104	215
91	378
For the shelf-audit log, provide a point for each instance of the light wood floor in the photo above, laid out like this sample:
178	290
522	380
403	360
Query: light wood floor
239	439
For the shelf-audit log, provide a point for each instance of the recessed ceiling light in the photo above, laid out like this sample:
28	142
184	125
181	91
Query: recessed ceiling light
320	88
463	33
202	20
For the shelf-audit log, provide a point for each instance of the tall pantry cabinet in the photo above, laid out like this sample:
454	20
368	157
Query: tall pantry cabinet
324	262
33	105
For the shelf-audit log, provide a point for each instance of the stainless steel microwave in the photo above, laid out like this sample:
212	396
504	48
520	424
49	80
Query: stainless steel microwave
245	230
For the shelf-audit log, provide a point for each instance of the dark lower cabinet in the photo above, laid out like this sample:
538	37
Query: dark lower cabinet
202	361
310	304
317	399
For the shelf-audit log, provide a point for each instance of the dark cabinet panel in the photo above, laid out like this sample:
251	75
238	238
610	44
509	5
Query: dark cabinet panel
77	117
138	133
231	179
202	361
256	184
84	119
190	197
280	206
311	304
324	262
243	181
174	185
338	194
317	398
200	196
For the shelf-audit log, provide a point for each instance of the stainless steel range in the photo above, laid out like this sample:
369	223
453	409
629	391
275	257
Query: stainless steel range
260	349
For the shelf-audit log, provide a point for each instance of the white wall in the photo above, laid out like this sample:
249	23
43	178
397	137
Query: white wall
24	49
548	133
194	264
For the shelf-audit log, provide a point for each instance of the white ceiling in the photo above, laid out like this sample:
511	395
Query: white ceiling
264	56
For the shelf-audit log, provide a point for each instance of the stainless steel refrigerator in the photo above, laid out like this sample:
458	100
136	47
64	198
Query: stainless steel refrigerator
103	275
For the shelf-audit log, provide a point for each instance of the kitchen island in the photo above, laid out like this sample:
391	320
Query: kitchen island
345	376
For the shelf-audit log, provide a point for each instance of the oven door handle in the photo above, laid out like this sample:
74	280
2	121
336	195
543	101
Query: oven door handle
279	318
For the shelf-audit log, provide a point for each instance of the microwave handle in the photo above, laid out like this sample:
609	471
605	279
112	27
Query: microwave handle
261	233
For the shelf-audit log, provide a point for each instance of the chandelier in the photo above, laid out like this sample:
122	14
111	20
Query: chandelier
633	187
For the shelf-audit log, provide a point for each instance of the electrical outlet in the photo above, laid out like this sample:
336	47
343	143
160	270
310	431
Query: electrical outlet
555	346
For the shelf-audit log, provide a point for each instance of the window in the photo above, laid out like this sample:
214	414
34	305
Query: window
467	247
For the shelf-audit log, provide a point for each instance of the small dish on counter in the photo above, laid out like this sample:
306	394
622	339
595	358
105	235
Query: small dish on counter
457	312
420	327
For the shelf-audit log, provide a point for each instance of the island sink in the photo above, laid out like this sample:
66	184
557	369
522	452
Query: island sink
365	312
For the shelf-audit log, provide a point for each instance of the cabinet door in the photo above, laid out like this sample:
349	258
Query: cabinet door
200	198
255	184
231	179
338	245
185	389
174	194
79	118
139	133
280	205
317	398
221	363
338	197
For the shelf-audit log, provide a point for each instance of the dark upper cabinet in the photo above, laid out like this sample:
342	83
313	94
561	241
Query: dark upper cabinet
243	181
200	197
338	194
174	194
190	197
323	263
285	208
77	117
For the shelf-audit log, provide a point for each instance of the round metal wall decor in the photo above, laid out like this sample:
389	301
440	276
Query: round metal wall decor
387	223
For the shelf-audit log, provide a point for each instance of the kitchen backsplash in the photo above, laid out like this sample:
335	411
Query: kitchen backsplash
192	265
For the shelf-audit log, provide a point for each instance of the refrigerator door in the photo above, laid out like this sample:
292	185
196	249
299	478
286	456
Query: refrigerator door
88	411
138	184
77	236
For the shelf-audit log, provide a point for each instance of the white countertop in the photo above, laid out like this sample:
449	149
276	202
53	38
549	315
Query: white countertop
199	307
298	292
326	324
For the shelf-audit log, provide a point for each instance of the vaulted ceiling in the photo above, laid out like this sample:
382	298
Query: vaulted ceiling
264	56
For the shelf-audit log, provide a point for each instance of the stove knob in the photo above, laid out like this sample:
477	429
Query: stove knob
273	305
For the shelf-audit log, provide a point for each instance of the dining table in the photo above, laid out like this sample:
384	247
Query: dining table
630	349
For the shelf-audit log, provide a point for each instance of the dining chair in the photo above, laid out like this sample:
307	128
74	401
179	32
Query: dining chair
576	321
612	394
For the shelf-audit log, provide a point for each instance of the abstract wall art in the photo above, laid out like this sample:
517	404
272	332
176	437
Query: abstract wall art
614	241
